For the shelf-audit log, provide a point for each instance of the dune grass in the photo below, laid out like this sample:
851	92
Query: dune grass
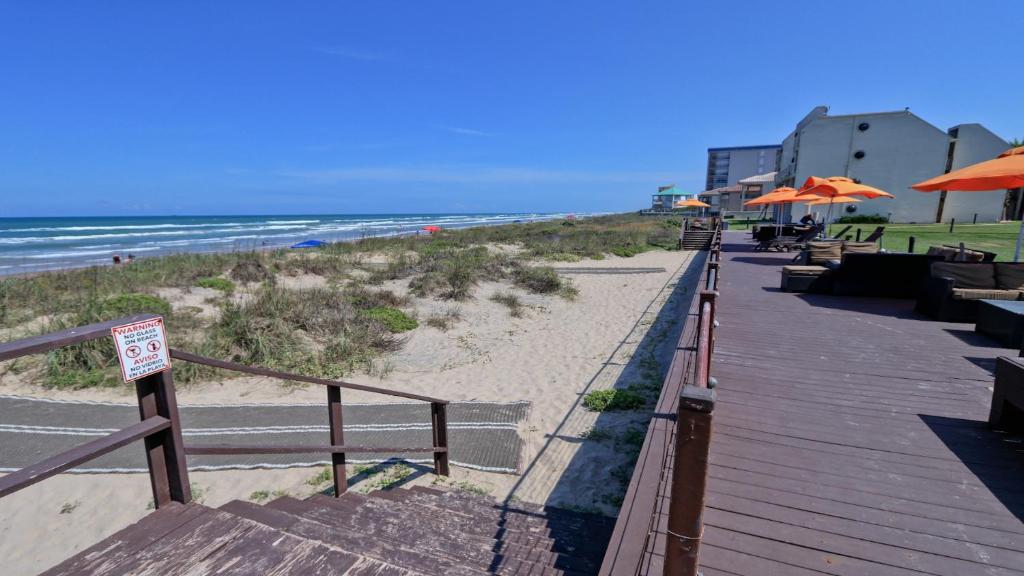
346	326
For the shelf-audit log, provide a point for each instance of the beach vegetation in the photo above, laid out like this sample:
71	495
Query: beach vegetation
443	320
217	283
510	301
389	476
260	496
613	399
133	303
350	324
325	475
250	270
597	433
393	319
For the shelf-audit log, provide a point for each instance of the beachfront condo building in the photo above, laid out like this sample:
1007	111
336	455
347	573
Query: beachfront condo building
727	166
731	198
666	198
891	151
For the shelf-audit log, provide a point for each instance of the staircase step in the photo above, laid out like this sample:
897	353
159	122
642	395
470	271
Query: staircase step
431	532
406	557
199	540
524	509
587	542
521	545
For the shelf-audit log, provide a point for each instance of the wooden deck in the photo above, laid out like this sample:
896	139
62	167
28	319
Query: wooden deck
850	438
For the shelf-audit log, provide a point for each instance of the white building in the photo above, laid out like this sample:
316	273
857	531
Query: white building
891	151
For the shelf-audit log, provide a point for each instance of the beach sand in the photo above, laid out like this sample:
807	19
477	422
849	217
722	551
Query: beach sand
556	352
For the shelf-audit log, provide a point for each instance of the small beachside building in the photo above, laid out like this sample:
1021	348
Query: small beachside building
667	197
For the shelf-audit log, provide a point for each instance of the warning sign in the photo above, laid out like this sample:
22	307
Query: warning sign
141	348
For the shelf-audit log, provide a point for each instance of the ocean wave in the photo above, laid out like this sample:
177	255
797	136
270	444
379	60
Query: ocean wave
131	235
80	253
131	227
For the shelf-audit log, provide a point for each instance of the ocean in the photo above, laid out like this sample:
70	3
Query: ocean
36	244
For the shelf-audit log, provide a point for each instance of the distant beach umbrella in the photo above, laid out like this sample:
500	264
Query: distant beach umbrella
309	244
1004	171
691	203
432	229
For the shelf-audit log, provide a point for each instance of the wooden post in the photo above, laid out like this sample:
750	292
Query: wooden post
689	481
439	424
952	222
165	452
710	297
712	278
337	439
910	245
975	218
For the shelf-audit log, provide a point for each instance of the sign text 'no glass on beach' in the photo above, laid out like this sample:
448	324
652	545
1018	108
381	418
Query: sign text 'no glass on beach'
141	348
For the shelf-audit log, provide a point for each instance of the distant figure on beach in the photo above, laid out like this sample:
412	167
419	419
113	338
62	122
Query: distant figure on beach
117	259
131	258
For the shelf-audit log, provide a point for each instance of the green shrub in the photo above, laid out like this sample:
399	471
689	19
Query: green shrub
392	318
250	270
510	301
629	250
863	219
539	280
223	284
612	399
134	303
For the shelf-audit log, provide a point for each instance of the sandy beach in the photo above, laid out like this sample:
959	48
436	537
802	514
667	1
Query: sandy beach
551	355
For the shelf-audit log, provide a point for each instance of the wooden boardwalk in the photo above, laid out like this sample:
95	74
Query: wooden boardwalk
850	438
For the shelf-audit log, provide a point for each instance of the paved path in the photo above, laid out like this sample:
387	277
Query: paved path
482	435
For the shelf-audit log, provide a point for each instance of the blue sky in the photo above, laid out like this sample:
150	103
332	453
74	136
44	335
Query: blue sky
121	108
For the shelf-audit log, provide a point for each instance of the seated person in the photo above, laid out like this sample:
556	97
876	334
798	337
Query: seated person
807	220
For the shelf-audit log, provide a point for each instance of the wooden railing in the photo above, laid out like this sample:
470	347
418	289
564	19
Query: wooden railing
160	427
674	453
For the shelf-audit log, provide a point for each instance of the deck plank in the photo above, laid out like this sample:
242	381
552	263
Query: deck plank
850	438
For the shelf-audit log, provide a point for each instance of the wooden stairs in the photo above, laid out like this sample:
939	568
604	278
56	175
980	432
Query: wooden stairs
697	239
388	533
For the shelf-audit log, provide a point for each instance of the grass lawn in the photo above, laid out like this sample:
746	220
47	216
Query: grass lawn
999	238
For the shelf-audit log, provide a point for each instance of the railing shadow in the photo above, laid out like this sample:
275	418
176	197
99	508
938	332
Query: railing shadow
994	457
614	432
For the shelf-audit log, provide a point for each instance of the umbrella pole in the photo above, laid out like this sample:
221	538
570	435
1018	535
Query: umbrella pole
1020	240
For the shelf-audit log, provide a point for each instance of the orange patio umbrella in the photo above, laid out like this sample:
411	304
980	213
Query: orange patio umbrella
839	187
836	200
1004	171
783	195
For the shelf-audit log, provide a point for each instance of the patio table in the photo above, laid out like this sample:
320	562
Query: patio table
1002	320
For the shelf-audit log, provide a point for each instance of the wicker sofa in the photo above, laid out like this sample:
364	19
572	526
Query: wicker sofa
953	289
